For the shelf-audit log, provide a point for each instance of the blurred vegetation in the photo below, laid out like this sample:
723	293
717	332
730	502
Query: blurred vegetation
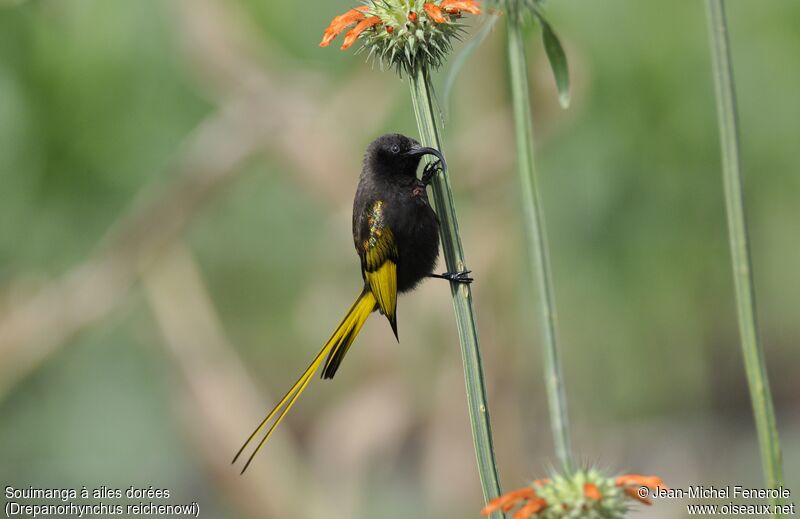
101	103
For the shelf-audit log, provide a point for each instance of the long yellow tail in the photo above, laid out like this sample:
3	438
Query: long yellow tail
335	348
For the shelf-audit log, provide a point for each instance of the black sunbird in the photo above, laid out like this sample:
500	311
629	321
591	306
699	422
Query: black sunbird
396	236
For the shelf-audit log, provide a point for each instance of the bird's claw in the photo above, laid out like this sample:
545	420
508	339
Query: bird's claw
459	277
430	170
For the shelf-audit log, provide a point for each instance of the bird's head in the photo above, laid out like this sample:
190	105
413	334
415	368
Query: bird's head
397	156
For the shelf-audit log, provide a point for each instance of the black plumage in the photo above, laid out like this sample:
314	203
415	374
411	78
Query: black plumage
389	175
396	236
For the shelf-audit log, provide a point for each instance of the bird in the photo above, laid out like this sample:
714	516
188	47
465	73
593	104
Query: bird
396	236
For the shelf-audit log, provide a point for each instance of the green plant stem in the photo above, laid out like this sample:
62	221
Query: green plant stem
536	240
462	294
740	250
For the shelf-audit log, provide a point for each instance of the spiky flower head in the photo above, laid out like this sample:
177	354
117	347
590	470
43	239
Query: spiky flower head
405	34
586	494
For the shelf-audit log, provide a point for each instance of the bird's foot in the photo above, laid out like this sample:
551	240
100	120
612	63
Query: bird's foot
456	277
430	170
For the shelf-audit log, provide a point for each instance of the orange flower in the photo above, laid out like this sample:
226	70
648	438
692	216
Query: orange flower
398	36
633	493
362	26
591	491
650	482
508	501
585	492
631	483
340	23
470	6
434	12
531	509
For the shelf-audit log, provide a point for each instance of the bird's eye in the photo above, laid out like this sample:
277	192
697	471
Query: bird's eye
395	149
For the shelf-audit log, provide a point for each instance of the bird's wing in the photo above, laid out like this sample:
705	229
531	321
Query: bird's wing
378	251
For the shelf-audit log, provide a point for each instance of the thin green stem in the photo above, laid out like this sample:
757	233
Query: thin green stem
740	251
536	240
462	294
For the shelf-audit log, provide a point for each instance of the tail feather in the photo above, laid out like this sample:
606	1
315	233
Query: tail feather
393	323
335	349
347	331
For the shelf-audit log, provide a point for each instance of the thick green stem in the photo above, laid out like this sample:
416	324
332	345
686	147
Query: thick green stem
740	250
462	294
536	240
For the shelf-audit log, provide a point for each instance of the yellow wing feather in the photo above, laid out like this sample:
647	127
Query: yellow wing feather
379	262
382	281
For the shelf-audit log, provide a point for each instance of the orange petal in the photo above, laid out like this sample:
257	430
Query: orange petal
507	501
634	493
591	491
515	497
492	506
541	482
470	6
650	482
362	26
532	508
340	23
434	12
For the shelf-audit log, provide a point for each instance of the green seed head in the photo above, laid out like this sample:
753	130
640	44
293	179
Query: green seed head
588	494
408	37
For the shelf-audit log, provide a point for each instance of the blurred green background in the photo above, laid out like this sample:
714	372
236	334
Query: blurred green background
175	187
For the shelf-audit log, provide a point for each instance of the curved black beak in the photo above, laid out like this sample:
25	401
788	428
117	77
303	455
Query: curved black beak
424	150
